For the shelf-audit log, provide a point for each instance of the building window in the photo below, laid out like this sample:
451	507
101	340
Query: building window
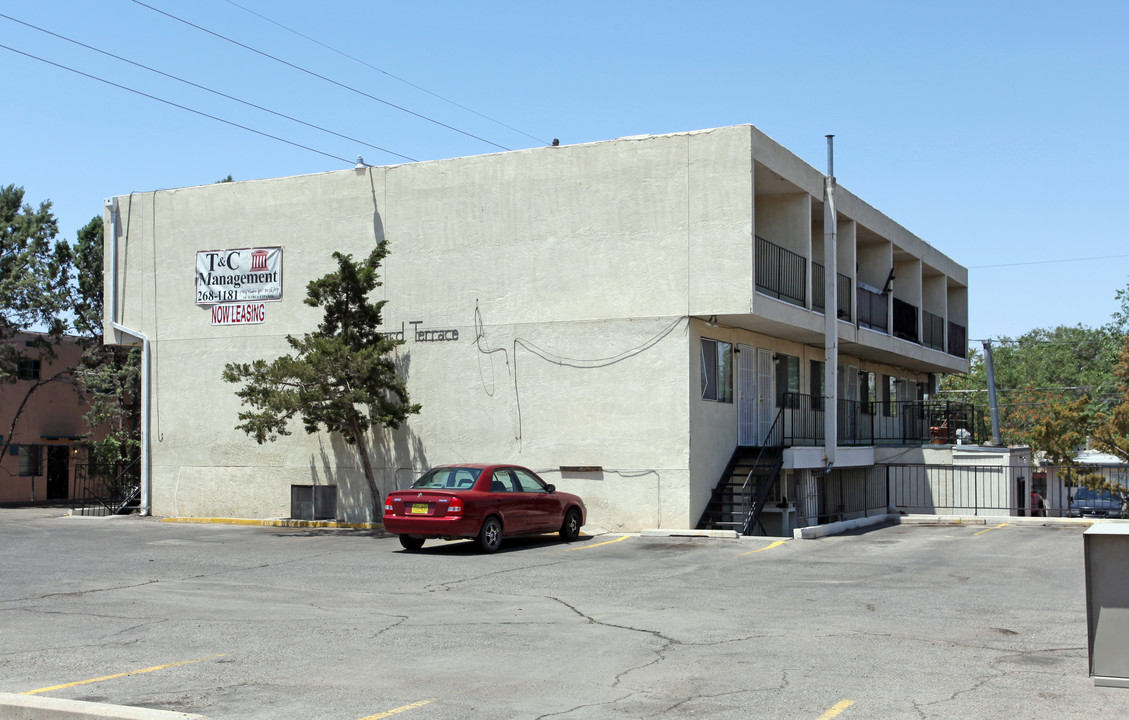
868	395
815	383
29	459
787	381
717	370
889	396
27	369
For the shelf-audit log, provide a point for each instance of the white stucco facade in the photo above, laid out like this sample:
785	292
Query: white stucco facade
552	302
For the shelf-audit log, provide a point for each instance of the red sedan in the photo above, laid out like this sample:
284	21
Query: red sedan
484	502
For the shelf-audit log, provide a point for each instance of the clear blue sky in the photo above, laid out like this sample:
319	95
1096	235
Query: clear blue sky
993	130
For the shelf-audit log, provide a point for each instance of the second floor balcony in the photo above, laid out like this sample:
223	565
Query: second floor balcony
783	274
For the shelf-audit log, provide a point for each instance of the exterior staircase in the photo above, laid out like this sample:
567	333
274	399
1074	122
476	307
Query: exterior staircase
741	492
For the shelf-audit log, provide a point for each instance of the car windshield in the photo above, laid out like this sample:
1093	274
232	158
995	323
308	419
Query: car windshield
448	478
1087	495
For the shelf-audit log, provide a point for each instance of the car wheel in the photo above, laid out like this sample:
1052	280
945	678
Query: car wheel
570	528
411	543
490	536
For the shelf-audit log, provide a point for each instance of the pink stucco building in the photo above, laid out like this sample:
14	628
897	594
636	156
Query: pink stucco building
41	461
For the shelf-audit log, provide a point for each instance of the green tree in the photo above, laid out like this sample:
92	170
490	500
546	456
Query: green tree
341	377
108	375
1039	375
34	291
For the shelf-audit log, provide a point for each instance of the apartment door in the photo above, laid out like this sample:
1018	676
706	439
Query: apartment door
766	399
58	471
746	396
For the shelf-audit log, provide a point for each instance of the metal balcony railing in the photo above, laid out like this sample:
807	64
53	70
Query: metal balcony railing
781	273
877	423
905	320
819	292
932	331
873	309
958	340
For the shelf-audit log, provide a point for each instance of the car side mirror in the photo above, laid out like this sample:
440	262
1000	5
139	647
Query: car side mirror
551	488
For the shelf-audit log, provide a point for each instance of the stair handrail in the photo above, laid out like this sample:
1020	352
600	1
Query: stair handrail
750	508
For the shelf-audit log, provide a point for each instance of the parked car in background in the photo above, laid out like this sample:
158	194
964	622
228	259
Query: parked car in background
1087	503
483	502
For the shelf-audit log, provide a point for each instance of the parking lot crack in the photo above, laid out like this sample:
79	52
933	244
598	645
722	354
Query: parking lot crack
448	584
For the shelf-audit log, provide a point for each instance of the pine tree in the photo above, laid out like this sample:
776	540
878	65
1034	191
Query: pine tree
342	377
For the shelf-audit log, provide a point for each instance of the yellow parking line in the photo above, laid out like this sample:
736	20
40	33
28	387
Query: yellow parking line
839	707
119	675
585	547
990	529
394	711
778	543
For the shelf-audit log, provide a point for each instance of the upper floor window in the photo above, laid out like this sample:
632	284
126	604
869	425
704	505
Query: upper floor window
815	383
27	369
868	394
787	381
717	370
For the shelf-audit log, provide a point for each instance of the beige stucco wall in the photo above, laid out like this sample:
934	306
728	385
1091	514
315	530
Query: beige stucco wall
568	273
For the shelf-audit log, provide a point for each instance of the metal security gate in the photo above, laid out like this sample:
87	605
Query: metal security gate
746	396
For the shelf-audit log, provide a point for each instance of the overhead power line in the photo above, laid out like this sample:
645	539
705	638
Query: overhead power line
176	105
206	89
1047	262
320	77
385	72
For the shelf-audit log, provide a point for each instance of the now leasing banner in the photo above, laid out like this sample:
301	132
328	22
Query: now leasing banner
232	276
242	314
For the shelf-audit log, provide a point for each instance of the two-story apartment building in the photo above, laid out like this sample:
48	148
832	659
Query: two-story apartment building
619	316
43	449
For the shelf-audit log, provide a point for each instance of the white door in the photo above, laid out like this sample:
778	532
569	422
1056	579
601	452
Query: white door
746	395
766	397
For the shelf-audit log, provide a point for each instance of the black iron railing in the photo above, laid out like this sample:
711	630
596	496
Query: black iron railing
105	489
751	505
819	292
932	331
905	320
958	340
860	423
781	273
842	494
873	309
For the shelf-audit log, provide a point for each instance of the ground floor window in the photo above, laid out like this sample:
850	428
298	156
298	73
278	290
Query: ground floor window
717	370
29	459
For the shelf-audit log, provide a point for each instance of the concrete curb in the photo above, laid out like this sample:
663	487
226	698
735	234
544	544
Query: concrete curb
31	707
277	522
657	532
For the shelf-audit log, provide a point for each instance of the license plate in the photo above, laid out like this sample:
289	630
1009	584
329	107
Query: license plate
419	509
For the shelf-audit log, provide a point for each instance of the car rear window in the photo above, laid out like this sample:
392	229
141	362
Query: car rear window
446	478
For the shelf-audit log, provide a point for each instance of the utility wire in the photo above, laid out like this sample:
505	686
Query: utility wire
207	89
175	105
320	77
385	72
1047	262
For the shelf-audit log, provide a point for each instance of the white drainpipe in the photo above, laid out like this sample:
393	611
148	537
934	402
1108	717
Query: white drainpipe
146	487
830	312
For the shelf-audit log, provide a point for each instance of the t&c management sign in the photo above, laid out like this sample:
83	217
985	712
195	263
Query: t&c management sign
232	276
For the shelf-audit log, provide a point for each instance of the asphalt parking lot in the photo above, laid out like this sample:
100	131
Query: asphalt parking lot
239	622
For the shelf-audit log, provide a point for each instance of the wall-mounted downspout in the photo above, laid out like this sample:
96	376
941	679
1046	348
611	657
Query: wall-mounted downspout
146	487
